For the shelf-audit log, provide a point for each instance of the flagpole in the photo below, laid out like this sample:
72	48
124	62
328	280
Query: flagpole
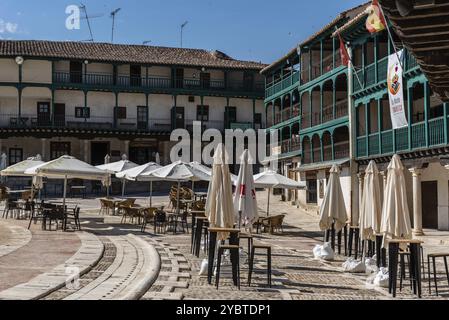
350	61
390	35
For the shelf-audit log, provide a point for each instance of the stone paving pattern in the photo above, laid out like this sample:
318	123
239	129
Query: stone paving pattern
133	265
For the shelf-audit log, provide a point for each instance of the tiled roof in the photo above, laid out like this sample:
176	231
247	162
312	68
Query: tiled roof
139	54
344	15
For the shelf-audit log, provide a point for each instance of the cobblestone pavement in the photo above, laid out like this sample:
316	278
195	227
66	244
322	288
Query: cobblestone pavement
296	275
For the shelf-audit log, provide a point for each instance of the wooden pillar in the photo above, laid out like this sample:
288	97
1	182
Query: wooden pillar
426	111
446	135
147	105
115	109
321	57
20	89
85	106
410	115
254	113
367	127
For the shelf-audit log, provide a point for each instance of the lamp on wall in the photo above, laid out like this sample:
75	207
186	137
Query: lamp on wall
20	60
203	69
405	7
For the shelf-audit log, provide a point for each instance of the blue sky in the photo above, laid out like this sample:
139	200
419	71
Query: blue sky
256	30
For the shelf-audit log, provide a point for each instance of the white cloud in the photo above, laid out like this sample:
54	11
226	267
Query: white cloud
8	27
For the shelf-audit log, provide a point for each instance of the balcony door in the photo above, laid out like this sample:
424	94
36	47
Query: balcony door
230	116
135	76
43	114
142	118
178	118
59	115
179	78
205	80
76	72
248	81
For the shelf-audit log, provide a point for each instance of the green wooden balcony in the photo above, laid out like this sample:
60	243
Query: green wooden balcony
281	84
376	73
108	81
419	136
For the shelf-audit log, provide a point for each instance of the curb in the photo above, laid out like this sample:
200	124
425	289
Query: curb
150	276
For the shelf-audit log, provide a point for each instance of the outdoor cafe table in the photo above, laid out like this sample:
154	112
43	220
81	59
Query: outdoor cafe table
415	264
233	240
200	195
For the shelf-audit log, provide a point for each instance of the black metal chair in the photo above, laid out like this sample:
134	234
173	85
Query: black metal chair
11	207
160	222
75	217
56	214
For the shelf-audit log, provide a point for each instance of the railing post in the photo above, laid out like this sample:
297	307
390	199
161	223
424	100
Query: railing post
332	146
426	111
367	127
410	113
52	108
334	99
376	65
445	122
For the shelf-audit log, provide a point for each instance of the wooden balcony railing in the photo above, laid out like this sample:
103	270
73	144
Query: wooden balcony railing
125	81
392	141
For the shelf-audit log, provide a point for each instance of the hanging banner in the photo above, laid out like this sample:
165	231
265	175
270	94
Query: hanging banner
396	91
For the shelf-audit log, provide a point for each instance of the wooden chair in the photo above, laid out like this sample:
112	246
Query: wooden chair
274	224
147	217
129	212
104	207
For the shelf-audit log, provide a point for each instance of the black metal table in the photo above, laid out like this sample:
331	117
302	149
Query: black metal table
415	265
233	240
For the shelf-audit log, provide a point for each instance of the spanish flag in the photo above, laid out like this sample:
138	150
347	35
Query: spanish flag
376	21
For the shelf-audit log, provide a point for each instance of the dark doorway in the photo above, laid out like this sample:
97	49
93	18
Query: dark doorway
312	196
43	114
205	80
248	81
136	75
179	78
76	72
59	115
178	118
99	150
430	204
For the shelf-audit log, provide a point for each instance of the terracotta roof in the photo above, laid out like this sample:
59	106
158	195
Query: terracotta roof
350	13
140	54
350	23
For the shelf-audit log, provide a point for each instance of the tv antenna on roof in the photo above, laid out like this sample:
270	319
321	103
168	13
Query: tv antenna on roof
113	14
87	17
182	29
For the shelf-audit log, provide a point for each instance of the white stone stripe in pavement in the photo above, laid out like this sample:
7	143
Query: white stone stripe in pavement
20	238
135	268
88	255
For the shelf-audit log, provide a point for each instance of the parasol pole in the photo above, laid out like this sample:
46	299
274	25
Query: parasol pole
268	205
151	194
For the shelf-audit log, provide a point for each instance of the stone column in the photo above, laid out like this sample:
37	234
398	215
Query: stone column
86	151
126	151
417	202
44	150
